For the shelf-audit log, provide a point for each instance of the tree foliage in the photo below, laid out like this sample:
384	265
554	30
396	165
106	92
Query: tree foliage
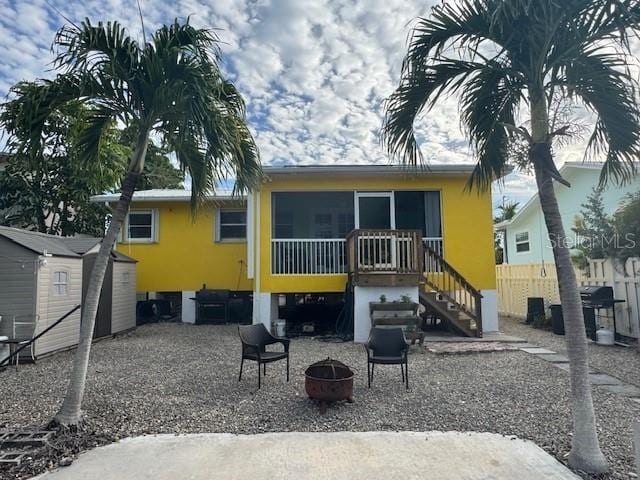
600	235
49	189
505	212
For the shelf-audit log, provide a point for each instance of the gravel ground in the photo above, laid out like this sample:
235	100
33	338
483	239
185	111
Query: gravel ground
181	378
620	362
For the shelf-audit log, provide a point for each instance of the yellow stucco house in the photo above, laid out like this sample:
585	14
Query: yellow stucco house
291	246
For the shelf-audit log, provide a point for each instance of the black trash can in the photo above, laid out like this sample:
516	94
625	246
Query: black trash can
557	320
589	314
535	308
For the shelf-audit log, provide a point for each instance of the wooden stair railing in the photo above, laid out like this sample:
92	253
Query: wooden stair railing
454	289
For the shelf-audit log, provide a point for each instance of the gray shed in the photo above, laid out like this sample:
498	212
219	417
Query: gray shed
42	278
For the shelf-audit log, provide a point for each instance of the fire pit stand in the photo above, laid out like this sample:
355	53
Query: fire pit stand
329	381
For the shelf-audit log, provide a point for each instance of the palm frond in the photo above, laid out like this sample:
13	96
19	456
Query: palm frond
488	105
87	47
419	90
93	135
601	81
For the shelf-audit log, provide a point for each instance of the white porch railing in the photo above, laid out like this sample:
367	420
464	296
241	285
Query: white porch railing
327	256
308	256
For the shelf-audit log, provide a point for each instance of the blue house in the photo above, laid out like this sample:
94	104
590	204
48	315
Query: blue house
525	235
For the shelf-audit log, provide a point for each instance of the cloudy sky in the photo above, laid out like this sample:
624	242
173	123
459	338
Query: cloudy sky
314	73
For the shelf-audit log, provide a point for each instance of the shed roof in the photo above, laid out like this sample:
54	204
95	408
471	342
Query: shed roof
39	243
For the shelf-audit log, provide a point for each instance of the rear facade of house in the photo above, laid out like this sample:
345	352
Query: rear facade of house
293	245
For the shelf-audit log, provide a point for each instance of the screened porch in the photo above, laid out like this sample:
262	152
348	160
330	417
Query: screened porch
309	229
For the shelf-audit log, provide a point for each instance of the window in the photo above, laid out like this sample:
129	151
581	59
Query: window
126	278
419	211
232	225
522	242
141	226
60	283
311	214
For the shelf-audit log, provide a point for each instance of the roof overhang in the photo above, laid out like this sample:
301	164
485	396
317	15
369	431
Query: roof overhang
164	196
374	170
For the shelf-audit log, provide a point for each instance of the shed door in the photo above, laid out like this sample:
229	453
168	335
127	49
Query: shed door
103	318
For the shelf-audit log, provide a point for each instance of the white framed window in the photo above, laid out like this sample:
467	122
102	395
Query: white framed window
522	242
231	225
126	278
141	226
61	283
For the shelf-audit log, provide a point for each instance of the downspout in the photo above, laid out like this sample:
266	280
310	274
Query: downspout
257	260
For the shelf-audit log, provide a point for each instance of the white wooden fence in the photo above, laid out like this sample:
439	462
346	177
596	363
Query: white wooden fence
518	282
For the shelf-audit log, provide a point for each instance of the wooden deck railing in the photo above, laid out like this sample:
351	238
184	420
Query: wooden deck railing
384	251
452	286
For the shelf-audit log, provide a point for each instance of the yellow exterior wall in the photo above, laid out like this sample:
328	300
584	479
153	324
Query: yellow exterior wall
466	218
186	255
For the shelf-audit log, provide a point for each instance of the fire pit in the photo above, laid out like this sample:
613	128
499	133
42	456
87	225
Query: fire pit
329	381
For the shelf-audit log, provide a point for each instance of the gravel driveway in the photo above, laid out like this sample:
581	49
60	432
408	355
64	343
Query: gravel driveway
620	362
181	378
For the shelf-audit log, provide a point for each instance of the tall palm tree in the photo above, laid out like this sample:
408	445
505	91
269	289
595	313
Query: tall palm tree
513	59
171	87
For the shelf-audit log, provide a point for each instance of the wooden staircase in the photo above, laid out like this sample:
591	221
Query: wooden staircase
450	296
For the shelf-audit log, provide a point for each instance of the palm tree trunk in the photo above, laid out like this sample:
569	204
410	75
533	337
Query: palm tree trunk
585	450
69	414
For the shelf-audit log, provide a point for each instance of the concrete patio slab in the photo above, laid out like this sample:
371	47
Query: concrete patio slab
326	456
537	350
626	390
603	379
554	358
565	367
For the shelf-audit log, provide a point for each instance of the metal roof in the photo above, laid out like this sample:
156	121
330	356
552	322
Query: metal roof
174	195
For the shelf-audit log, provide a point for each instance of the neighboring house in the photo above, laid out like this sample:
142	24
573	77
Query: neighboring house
525	236
295	240
42	277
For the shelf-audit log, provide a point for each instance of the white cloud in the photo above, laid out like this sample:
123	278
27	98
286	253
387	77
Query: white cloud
314	73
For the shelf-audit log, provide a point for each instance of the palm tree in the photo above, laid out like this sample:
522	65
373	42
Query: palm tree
507	211
170	87
509	59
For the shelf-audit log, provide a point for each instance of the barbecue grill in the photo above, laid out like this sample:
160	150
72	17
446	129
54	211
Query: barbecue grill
596	298
212	306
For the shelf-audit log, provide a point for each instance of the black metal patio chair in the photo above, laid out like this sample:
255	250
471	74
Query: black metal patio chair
387	346
255	339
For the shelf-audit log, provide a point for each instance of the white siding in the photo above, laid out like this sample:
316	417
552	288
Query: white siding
51	307
18	276
123	307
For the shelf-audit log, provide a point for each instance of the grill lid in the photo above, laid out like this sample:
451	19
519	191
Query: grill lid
212	296
596	292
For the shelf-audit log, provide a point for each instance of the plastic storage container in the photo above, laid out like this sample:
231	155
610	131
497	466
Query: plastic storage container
280	327
557	320
605	337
